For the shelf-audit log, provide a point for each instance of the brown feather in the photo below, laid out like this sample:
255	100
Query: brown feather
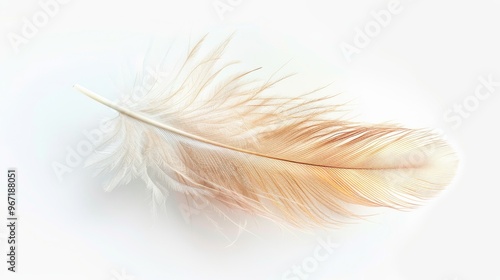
222	138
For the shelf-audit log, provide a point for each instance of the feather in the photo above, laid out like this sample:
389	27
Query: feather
210	131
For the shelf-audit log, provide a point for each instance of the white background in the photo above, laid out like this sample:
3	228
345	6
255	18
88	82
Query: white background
427	59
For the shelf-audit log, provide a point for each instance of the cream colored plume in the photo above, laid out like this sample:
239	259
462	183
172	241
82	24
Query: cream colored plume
209	131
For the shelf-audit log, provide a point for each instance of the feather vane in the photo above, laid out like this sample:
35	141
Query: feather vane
215	135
